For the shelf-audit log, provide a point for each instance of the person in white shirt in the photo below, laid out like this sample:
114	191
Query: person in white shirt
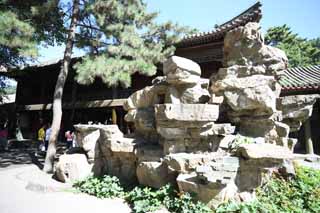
48	133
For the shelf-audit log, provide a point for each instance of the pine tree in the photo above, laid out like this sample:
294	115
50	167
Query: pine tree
121	38
58	92
124	39
300	52
24	25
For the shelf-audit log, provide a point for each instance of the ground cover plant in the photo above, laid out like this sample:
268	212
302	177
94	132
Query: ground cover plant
142	199
281	194
296	194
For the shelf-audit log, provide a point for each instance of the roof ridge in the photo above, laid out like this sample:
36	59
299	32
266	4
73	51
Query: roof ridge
256	6
253	13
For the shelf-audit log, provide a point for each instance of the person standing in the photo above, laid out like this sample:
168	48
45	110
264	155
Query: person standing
47	137
41	137
3	138
69	138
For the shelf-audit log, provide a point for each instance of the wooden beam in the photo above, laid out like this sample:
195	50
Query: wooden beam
80	105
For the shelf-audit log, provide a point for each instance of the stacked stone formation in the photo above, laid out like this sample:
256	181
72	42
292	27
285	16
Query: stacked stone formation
177	139
176	109
249	84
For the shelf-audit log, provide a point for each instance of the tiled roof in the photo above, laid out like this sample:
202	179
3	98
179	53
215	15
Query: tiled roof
252	14
301	79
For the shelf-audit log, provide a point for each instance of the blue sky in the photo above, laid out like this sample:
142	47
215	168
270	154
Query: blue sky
303	16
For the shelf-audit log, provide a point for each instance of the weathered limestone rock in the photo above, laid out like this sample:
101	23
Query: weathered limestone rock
228	193
186	112
180	126
225	141
89	144
187	94
245	46
87	138
140	109
185	84
72	168
189	145
186	162
204	192
296	109
248	83
147	97
180	70
212	181
255	172
250	95
154	174
211	129
149	153
265	150
268	128
118	152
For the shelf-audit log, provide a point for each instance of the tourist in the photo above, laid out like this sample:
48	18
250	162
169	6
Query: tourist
3	138
69	138
74	140
48	133
41	137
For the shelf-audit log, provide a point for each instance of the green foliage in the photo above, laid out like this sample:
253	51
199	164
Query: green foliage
15	39
5	88
142	199
147	199
23	25
104	187
249	207
122	38
300	52
299	194
10	90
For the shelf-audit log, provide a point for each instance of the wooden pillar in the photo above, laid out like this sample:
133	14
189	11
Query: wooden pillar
114	116
307	136
114	112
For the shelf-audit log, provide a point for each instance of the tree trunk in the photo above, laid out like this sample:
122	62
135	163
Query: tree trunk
58	92
73	100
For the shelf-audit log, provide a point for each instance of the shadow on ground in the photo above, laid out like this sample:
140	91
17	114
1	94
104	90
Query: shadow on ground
24	154
20	156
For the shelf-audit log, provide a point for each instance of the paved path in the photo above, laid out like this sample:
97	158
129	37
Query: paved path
26	189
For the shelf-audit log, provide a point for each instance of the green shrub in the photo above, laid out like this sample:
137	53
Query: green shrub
298	194
185	204
146	200
101	187
142	199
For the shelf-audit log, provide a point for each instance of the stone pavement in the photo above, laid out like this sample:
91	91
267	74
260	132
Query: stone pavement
25	188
